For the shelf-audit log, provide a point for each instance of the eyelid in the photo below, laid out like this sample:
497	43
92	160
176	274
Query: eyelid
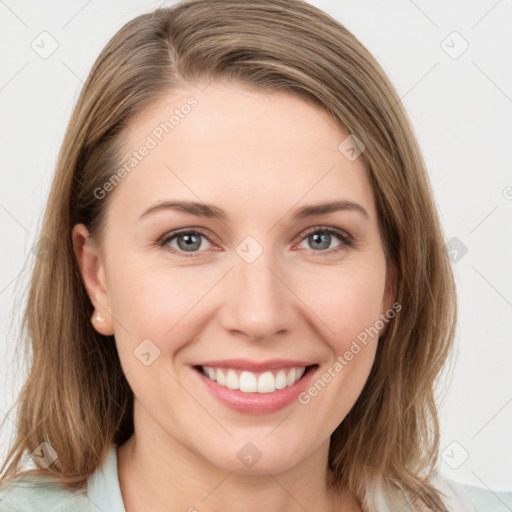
343	235
347	240
171	235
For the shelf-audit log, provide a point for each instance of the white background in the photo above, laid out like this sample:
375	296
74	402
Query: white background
461	110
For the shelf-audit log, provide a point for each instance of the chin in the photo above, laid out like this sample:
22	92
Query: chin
249	460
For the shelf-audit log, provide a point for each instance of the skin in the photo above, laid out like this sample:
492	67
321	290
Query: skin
259	156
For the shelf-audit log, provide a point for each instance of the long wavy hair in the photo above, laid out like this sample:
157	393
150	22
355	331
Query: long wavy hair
76	396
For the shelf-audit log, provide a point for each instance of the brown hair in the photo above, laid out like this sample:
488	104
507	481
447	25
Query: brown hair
76	396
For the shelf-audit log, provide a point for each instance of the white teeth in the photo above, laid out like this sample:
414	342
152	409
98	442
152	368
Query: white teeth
266	383
290	379
231	379
250	382
221	378
280	379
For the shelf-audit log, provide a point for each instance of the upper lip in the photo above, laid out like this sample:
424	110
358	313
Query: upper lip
255	366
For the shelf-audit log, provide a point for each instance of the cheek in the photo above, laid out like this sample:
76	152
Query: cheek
347	301
151	300
358	307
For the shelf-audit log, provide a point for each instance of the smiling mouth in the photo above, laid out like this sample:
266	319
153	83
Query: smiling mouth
255	382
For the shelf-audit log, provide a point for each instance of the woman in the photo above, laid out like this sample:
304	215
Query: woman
245	299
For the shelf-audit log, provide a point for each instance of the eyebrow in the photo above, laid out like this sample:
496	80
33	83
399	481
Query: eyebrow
211	211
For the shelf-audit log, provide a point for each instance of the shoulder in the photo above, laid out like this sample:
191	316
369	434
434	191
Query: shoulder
31	494
460	497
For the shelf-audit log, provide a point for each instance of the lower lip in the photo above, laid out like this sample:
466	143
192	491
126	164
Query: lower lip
257	403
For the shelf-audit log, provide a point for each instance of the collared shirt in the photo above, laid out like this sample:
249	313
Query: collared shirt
103	494
34	494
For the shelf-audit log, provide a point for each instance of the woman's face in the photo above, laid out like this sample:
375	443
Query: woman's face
262	283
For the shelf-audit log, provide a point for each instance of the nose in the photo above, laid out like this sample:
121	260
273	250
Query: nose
259	302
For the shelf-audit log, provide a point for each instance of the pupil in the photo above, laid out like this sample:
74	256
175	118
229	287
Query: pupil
318	239
190	240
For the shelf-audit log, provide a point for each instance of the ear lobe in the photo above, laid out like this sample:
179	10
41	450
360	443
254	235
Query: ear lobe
92	271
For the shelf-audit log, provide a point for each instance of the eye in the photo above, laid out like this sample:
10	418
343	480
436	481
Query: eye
187	243
320	238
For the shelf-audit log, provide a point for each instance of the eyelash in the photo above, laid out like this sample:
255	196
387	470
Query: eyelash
346	240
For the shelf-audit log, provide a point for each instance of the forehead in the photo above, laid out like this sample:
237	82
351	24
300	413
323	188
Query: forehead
239	147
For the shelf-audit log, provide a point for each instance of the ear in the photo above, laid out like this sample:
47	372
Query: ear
92	270
388	299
